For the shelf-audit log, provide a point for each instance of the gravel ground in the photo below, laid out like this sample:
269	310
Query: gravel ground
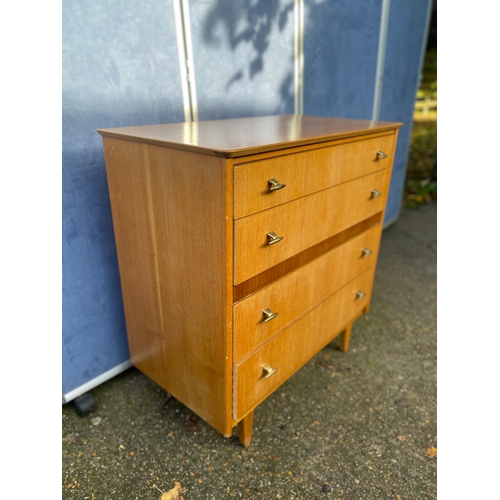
356	425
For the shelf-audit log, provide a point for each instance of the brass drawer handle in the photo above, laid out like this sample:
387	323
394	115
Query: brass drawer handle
268	315
269	371
381	155
273	238
275	185
366	252
375	193
360	295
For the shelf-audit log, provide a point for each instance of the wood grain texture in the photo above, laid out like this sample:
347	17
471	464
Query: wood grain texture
299	291
304	222
269	275
295	345
129	190
306	172
172	234
244	136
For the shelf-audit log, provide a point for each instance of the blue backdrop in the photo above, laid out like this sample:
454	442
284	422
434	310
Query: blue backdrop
243	56
340	52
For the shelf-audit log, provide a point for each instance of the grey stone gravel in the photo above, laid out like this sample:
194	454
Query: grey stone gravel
350	426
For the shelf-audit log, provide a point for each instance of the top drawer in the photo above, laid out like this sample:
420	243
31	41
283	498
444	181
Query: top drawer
306	172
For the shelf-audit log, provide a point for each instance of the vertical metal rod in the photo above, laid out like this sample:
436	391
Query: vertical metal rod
185	55
188	42
181	54
298	12
382	46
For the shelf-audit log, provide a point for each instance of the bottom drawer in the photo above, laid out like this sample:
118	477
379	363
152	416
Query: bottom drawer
295	345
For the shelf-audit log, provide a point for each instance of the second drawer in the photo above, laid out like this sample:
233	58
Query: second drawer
272	236
258	317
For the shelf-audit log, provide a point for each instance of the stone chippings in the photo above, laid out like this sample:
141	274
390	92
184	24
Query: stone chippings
356	425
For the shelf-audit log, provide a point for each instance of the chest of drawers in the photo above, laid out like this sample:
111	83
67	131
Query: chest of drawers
244	247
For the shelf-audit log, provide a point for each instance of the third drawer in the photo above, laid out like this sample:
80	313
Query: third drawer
261	315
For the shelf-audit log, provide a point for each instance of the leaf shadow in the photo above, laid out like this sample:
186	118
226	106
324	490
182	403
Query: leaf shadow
251	22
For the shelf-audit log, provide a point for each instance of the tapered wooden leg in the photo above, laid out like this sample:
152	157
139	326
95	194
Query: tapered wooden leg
366	310
245	430
345	337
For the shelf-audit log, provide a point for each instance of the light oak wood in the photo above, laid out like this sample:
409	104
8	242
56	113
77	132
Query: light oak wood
245	426
306	172
295	345
174	267
196	272
300	290
246	136
304	222
130	193
345	338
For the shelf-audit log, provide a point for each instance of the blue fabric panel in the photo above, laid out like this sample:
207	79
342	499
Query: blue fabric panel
407	28
243	56
120	68
340	57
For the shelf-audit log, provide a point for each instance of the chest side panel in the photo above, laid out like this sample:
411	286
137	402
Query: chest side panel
169	211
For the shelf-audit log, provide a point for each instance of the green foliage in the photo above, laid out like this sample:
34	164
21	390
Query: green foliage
426	99
421	174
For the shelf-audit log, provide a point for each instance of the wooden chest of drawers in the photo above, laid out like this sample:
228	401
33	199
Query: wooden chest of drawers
244	246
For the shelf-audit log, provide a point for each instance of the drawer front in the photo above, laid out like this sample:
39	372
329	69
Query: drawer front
304	222
300	290
295	345
306	173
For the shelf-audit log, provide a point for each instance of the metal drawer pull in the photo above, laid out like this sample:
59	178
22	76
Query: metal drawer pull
366	252
273	238
360	295
381	155
274	184
269	371
375	193
268	315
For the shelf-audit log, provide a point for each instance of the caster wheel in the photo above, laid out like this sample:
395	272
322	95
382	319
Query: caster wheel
84	405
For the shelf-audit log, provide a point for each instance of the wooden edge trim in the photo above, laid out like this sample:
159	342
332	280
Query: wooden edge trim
229	172
251	150
241	161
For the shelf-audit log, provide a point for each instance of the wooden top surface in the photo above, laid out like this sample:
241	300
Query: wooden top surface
243	136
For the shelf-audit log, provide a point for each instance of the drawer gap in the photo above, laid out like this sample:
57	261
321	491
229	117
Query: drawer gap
269	275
